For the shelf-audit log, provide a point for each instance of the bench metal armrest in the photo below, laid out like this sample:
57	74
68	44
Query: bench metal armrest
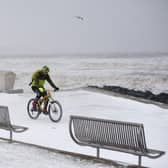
17	128
152	153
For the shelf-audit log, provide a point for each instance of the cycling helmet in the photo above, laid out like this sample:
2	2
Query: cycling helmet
45	69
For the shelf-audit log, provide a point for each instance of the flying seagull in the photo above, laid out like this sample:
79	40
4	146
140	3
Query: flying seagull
79	17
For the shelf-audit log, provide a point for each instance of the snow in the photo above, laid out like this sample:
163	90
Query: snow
135	72
19	155
56	135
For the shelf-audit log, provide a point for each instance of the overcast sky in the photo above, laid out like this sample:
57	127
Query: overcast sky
50	26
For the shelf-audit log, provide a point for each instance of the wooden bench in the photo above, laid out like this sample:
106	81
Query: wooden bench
113	135
5	122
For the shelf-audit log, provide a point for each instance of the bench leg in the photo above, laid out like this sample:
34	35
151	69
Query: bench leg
98	152
139	161
11	135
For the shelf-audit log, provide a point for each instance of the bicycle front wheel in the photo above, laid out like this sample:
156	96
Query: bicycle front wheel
55	111
32	112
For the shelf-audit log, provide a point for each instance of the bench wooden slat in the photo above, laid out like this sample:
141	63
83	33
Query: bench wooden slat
109	134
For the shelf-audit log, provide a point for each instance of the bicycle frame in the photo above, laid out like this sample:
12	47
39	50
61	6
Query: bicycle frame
45	99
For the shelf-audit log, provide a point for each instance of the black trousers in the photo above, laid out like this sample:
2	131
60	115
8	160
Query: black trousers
38	92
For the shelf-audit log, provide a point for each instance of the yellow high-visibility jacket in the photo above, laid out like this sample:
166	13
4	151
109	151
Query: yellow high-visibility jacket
39	78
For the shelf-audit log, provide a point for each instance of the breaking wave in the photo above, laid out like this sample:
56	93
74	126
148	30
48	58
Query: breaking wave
139	73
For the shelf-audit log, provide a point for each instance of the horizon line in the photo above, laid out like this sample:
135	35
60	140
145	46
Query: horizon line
89	53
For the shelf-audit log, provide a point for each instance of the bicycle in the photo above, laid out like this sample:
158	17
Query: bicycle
54	108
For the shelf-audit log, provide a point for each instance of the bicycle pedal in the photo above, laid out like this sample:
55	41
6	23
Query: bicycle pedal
46	113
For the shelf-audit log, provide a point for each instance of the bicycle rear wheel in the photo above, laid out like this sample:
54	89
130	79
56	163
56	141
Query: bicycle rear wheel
55	111
33	113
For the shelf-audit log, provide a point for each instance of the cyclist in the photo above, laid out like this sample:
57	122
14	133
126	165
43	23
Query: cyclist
37	84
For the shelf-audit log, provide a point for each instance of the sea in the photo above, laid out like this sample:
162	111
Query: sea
134	71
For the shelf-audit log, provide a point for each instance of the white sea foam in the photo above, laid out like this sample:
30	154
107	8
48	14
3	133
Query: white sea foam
135	72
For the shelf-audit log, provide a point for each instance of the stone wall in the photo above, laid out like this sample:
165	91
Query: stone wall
162	97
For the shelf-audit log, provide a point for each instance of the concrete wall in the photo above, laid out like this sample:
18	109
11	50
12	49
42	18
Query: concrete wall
7	80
